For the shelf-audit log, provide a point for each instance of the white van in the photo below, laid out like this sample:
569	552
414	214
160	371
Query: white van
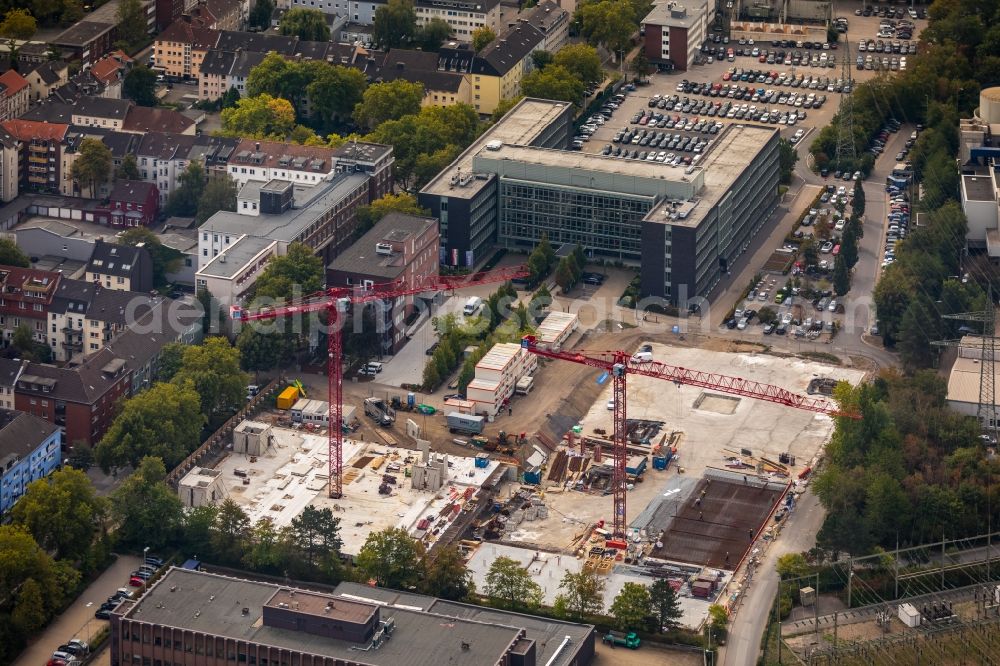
472	306
642	357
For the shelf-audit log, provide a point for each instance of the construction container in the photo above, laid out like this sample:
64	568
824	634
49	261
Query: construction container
482	461
807	596
661	462
286	399
635	465
533	475
701	589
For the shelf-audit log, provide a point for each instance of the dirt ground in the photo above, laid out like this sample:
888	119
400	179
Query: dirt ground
647	655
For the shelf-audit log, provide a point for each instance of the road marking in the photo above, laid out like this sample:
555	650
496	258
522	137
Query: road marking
671	492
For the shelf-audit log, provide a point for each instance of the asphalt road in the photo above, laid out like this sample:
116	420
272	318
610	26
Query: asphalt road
78	620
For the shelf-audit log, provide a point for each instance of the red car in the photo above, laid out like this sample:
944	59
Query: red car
727	76
135	581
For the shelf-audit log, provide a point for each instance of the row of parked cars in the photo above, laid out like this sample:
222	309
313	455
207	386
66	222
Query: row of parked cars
898	220
770	96
887	11
598	119
70	653
880	46
885	63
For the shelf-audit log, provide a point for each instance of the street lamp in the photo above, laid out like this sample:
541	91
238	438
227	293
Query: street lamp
145	552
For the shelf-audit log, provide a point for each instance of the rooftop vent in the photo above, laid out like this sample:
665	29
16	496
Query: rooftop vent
495	144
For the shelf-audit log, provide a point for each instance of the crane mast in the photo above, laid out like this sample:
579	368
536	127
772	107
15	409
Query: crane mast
336	301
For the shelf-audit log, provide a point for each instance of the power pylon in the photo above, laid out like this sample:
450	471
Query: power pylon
846	152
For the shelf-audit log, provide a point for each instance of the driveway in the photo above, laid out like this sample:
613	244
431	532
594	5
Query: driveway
78	620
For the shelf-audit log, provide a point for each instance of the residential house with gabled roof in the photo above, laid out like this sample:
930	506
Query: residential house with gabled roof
441	88
120	267
46	77
15	94
110	73
179	50
497	70
143	119
10	370
30	449
119	143
131	203
101	112
25	296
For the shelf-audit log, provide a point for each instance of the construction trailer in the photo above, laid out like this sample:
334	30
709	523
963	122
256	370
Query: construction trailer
497	374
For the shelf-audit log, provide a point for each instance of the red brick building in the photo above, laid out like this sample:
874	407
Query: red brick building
83	400
26	296
132	203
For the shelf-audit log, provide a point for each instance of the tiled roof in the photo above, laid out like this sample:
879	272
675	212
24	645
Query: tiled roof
102	107
106	69
413	66
26	130
21	433
184	32
165	145
507	50
270	154
13	81
147	119
48	72
131	191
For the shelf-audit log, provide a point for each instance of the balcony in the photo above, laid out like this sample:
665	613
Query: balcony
38	159
40	180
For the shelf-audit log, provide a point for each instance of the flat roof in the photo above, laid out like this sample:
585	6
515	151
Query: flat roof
213	604
234	258
963	380
978	188
730	155
581	161
287	226
676	14
521	125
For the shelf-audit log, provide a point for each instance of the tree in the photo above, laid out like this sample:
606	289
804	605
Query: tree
264	553
315	536
140	86
631	607
299	271
23	340
482	37
665	604
232	96
718	618
392	558
541	58
564	275
792	565
260	15
11	254
446	576
219	194
62	512
509	585
389	101
787	157
165	259
183	201
81	456
171	360
334	91
640	65
92	166
260	352
132	22
858	202
841	276
144	507
849	246
395	24
308	24
433	34
767	315
198	525
404	202
128	169
607	23
232	526
431	378
29	610
213	370
553	82
72	12
161	422
260	117
583	594
582	61
17	24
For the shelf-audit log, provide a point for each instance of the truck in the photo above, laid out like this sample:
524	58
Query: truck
629	640
472	306
465	423
380	412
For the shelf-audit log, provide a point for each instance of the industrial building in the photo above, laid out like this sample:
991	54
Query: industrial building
979	155
685	226
497	374
964	379
190	616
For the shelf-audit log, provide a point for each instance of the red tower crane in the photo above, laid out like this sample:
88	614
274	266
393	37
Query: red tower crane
335	302
619	364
